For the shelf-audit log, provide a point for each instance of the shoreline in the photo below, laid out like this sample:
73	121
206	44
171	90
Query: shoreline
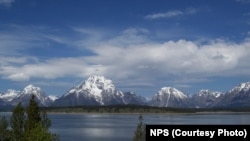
170	113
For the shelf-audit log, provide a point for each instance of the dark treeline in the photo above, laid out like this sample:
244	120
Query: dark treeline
134	109
222	109
118	109
139	109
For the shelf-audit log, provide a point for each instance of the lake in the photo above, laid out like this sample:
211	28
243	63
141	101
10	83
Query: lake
113	127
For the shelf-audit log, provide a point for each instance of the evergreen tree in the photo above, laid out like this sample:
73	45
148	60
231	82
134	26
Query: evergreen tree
33	128
39	133
17	123
37	124
45	121
4	132
140	132
33	115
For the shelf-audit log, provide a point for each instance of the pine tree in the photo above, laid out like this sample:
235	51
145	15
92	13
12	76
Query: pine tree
17	123
37	124
4	132
33	115
45	121
140	132
33	128
39	133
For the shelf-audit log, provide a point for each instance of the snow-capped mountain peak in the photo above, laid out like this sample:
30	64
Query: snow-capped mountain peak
169	97
173	91
100	82
206	98
207	93
53	98
97	90
13	97
203	92
237	97
31	89
25	94
241	87
9	95
94	85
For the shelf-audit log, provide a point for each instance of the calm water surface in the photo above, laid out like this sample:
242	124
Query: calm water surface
121	127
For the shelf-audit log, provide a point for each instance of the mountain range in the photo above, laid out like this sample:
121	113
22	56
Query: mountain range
97	90
12	97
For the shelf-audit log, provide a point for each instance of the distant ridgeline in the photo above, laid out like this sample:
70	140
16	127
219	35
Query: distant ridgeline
96	94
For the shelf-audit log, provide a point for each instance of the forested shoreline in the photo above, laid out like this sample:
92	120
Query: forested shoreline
133	109
138	109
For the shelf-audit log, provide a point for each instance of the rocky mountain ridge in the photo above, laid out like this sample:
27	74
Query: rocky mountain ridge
12	97
97	90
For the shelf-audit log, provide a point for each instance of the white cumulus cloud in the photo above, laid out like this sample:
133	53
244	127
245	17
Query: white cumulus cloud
168	14
171	13
133	57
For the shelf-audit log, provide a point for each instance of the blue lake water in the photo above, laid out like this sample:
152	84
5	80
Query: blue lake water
113	127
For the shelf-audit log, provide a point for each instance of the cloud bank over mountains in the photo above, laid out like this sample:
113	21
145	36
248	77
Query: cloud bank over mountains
132	53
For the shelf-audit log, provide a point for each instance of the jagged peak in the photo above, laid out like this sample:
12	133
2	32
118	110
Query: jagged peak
204	90
93	85
96	77
207	92
31	89
97	81
169	90
172	91
9	95
52	97
241	87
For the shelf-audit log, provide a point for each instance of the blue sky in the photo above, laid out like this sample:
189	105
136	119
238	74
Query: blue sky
142	45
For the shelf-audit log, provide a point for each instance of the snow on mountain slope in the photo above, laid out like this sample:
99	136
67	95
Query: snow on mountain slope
13	97
96	90
206	98
242	87
94	86
30	90
9	95
239	96
208	93
169	97
53	98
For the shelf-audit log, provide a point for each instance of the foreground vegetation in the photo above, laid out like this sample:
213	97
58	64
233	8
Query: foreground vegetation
140	132
28	124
